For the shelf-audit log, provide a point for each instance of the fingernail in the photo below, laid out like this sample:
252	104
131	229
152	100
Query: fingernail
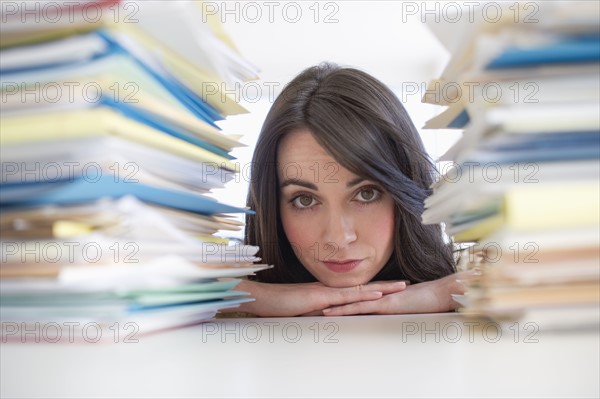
377	293
327	310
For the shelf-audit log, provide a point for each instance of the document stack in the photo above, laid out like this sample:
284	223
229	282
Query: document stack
522	184
109	146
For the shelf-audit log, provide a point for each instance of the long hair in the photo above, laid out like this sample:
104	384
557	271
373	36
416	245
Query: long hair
365	128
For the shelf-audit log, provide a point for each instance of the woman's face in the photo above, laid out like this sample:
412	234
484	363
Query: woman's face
340	226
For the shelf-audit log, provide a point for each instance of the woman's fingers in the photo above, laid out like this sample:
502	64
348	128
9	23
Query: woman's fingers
387	287
342	296
364	307
367	292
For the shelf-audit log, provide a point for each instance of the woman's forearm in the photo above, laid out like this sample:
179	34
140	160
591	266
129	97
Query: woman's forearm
451	285
254	289
275	300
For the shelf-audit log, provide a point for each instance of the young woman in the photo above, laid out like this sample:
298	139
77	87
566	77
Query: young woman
338	180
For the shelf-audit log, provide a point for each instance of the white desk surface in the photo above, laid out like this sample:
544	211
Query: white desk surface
359	356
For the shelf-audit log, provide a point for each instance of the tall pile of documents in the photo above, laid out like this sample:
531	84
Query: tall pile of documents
108	147
522	184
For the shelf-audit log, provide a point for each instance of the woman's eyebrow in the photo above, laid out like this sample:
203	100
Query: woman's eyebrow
298	182
354	182
309	185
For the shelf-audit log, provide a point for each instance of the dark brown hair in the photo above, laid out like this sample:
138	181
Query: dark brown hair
365	128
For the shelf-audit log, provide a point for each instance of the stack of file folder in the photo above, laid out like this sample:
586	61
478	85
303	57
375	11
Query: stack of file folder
108	148
522	184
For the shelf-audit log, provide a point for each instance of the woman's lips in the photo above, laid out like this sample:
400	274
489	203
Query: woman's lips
343	266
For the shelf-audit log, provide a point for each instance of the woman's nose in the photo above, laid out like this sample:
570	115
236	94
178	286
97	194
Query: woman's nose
339	229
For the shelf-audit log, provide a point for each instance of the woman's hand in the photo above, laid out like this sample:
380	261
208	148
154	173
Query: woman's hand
280	300
428	297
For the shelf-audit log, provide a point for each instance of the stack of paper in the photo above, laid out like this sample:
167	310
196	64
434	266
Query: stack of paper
523	181
108	146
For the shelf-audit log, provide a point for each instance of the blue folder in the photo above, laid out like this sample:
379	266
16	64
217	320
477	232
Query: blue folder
151	120
82	190
576	50
460	121
187	97
190	100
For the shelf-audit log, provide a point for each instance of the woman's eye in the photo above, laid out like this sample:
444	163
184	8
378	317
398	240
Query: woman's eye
368	194
303	201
